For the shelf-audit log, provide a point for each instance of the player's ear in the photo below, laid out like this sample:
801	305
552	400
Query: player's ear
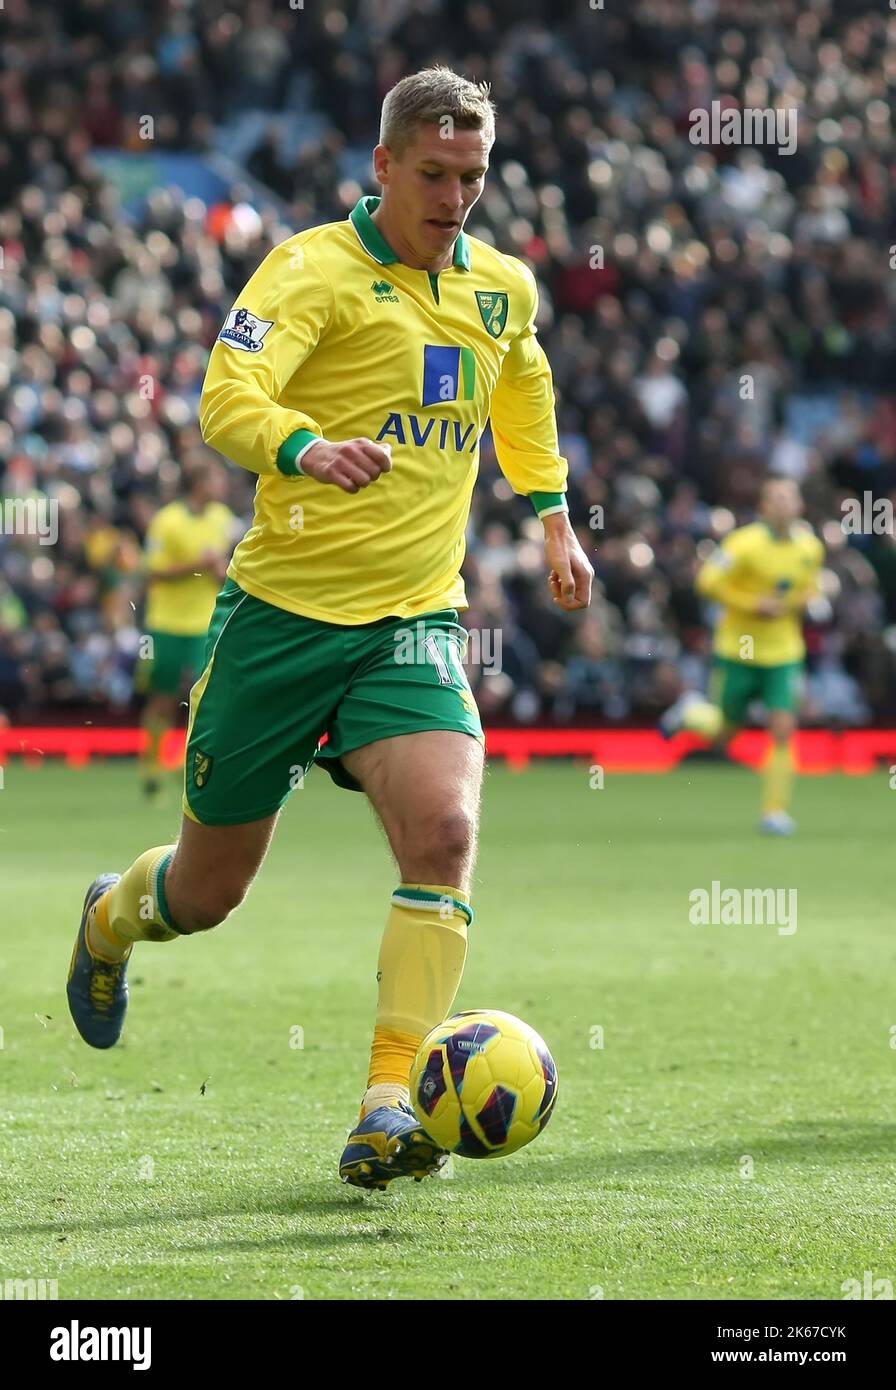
382	159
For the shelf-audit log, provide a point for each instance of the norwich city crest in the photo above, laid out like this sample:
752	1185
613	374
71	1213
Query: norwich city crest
202	767
493	308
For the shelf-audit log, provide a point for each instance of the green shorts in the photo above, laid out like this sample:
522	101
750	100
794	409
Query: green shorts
275	682
735	684
175	662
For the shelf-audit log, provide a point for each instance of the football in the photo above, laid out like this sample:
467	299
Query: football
483	1084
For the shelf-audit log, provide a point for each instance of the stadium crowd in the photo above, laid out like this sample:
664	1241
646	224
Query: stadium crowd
711	313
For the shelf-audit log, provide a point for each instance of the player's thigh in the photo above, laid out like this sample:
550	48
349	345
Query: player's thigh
257	710
406	678
216	862
734	685
160	706
422	785
172	660
408	733
782	691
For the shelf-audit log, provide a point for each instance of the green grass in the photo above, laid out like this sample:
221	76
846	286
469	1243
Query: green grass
720	1043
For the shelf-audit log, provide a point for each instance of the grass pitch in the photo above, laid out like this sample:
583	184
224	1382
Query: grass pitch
724	1125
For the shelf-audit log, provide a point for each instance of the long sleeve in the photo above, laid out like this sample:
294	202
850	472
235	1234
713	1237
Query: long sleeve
277	321
717	579
156	554
524	424
801	594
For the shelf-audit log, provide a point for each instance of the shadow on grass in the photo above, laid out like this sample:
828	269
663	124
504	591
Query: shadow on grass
826	1142
385	1238
374	1208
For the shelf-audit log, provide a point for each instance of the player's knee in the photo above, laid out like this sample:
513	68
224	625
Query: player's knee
446	844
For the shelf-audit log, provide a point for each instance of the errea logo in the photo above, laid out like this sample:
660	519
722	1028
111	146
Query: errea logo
383	292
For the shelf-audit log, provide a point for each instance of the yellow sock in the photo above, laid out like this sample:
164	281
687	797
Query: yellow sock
391	1056
421	962
151	757
134	910
384	1093
777	778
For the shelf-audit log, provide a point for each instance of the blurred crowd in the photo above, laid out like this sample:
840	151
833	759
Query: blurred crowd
711	313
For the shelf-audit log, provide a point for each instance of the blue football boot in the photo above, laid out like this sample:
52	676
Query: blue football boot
389	1143
777	823
97	989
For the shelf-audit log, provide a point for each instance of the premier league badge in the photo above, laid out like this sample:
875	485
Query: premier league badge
244	331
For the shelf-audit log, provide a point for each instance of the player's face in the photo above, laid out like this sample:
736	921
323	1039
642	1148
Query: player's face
432	186
216	484
781	503
211	486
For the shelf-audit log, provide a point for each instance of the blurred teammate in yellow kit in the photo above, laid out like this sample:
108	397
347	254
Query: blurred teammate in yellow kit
355	375
186	552
762	575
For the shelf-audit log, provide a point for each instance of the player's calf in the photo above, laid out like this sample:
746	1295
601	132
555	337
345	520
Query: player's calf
212	871
169	891
198	906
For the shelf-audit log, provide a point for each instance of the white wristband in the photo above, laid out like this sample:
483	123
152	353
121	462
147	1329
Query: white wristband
300	472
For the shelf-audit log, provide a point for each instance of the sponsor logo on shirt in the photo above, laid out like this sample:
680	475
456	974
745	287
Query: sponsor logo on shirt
449	374
416	432
383	292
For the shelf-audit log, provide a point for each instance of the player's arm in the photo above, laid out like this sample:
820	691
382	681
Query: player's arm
720	579
159	563
524	429
210	561
181	571
218	558
797	598
280	318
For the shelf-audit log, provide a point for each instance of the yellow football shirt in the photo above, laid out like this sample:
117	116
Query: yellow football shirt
179	536
753	563
334	337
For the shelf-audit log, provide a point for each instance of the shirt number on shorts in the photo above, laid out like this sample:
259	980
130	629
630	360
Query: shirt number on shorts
431	645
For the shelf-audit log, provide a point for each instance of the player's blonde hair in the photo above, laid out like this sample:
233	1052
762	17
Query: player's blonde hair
428	97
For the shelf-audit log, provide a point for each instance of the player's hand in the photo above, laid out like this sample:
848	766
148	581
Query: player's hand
571	572
351	465
771	607
214	562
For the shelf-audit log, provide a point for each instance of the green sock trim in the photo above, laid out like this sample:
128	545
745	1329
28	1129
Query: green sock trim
419	899
161	900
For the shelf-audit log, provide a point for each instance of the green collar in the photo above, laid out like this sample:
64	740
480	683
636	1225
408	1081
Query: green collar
376	245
